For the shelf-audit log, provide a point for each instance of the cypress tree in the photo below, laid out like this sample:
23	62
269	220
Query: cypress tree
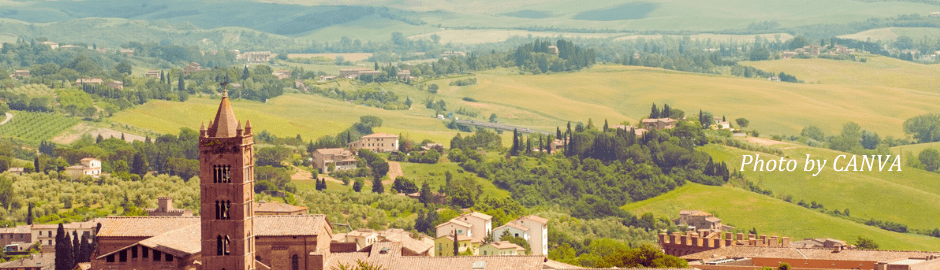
528	144
456	243
666	111
557	132
605	125
161	76
245	74
654	113
377	186
425	196
515	143
29	214
181	84
76	250
62	253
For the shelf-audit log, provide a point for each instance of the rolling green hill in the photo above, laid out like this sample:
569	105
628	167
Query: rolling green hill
904	197
746	210
890	34
876	71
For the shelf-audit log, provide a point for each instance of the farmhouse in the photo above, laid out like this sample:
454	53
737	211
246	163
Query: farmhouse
128	52
39	261
376	142
340	158
115	84
192	67
17	238
481	224
45	233
89	81
17	170
152	74
659	123
282	74
20	73
88	166
701	220
52	45
255	57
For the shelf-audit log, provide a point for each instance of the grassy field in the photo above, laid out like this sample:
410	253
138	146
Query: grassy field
907	197
718	37
746	210
876	71
890	34
288	115
24	126
619	93
474	36
914	148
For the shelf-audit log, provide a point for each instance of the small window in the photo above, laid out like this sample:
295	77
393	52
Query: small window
50	242
145	251
122	256
156	255
110	258
134	252
169	257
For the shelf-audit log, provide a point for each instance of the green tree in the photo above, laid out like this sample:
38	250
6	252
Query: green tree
404	185
813	132
377	186
924	128
866	243
139	165
357	186
742	122
930	158
433	88
124	68
456	243
425	197
784	266
181	85
245	74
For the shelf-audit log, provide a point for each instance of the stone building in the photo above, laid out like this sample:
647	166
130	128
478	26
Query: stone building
536	229
659	123
88	166
377	142
165	208
700	220
341	159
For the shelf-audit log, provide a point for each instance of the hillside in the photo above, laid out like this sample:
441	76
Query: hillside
746	210
904	197
890	34
619	93
876	71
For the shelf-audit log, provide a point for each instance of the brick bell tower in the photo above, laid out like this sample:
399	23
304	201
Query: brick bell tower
227	192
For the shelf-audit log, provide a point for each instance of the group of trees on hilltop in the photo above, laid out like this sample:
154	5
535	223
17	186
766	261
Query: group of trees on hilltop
537	57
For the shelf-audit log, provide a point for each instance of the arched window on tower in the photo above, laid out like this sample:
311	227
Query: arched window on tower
228	207
228	243
218	210
294	263
218	246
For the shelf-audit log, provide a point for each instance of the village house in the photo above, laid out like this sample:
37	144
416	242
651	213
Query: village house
89	81
45	233
513	229
17	170
165	209
255	57
115	84
281	74
537	232
263	208
41	261
659	123
454	225
444	245
404	74
88	166
363	238
52	45
376	142
340	158
502	248
18	238
481	224
152	74
700	220
20	73
553	49
192	67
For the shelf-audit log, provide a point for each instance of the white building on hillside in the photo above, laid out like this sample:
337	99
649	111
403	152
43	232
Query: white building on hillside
536	229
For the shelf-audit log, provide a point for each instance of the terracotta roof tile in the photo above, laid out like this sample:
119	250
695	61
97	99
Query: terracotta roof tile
506	245
536	219
380	135
435	263
477	215
181	242
225	123
806	253
457	222
277	207
514	225
153	226
289	225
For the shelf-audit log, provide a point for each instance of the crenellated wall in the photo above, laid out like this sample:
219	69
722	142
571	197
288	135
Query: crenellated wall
679	244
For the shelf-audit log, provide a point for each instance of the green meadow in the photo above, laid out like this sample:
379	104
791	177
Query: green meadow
908	196
770	216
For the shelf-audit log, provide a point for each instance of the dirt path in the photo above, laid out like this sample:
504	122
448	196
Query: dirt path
9	117
394	171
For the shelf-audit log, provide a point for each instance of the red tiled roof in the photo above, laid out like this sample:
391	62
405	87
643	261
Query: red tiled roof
391	262
536	219
380	135
806	253
153	226
277	207
225	123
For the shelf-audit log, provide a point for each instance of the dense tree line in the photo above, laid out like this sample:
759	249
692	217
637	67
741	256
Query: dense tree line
537	57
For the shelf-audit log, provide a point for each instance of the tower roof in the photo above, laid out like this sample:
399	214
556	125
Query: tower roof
225	124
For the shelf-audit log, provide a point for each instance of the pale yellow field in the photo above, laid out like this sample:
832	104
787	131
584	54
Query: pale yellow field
718	37
354	57
497	35
620	93
891	34
877	71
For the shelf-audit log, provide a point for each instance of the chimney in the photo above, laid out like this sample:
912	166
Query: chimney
786	242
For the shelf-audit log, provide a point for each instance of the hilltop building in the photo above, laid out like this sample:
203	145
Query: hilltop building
88	166
659	123
341	159
376	142
700	220
533	228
